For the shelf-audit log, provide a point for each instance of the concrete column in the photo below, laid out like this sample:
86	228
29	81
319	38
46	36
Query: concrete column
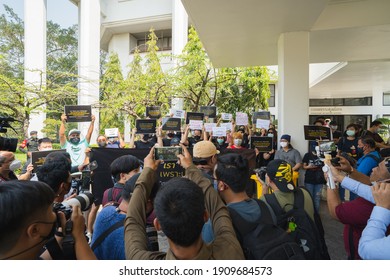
179	27
120	44
89	59
293	87
35	55
377	103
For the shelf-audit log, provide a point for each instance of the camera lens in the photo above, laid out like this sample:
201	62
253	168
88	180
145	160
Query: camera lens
84	201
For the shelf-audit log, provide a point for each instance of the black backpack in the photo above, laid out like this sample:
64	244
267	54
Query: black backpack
263	240
308	234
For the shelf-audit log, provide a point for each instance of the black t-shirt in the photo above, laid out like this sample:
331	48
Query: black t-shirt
313	176
142	145
348	146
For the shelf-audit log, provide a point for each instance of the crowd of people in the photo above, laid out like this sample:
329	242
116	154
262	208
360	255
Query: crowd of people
193	212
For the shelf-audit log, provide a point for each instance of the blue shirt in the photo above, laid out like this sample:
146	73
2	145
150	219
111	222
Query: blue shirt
358	188
374	244
366	163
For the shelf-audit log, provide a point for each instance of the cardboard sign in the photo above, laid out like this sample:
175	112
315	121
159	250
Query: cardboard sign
208	127
209	111
194	116
145	126
263	115
263	144
153	112
195	124
262	123
226	116
241	118
313	132
219	131
228	125
111	132
78	113
38	157
173	124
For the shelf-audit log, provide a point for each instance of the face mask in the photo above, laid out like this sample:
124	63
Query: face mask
15	165
237	142
74	140
220	141
34	137
170	135
333	127
102	144
350	133
270	135
197	138
360	151
283	144
145	137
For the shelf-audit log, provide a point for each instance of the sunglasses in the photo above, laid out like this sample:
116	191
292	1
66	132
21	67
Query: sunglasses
199	161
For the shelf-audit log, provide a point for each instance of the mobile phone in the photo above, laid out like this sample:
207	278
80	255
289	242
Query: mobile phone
167	153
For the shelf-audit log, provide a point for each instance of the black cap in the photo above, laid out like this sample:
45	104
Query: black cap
280	172
33	132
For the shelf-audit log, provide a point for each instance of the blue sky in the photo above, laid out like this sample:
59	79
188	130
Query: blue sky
62	12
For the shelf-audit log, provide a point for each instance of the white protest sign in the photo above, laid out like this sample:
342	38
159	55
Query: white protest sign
178	113
209	126
219	131
226	116
111	132
262	123
241	118
227	125
195	124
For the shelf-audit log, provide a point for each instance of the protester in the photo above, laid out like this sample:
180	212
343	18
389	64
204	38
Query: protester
191	201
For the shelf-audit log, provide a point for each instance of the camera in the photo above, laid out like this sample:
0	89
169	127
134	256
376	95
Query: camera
81	180
84	201
7	144
261	172
167	153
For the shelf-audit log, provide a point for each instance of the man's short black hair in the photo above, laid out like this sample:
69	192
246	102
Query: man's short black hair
20	202
368	140
44	140
179	207
55	170
375	123
233	169
124	164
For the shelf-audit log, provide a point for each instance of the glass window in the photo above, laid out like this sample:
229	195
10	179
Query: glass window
386	99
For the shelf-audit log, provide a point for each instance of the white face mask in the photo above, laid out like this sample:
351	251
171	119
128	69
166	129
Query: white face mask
350	132
283	144
237	142
15	165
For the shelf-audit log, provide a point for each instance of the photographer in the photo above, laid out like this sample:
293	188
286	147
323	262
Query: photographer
26	229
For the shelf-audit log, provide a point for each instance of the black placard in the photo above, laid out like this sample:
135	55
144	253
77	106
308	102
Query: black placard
145	126
78	113
313	132
263	115
263	144
209	111
173	124
39	157
153	112
194	116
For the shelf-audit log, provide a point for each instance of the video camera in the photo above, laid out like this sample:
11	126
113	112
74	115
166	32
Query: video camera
81	181
7	144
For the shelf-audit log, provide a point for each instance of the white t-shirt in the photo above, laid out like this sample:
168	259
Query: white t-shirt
77	152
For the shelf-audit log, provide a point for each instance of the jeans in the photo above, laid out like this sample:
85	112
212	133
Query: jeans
315	191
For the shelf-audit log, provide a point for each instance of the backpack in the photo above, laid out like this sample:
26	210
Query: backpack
110	199
377	159
263	240
308	234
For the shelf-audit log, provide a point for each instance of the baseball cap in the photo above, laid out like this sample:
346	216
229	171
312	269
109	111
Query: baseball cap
204	149
286	137
280	172
74	130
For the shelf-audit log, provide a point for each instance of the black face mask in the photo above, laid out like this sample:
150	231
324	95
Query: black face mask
170	135
197	138
145	137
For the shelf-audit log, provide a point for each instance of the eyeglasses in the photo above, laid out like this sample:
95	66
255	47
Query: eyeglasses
200	162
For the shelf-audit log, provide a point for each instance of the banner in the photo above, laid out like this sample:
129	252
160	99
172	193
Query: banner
219	131
241	118
194	116
173	124
262	123
313	132
178	113
209	111
263	144
78	113
111	132
195	124
38	157
226	116
153	112
263	115
249	154
145	126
